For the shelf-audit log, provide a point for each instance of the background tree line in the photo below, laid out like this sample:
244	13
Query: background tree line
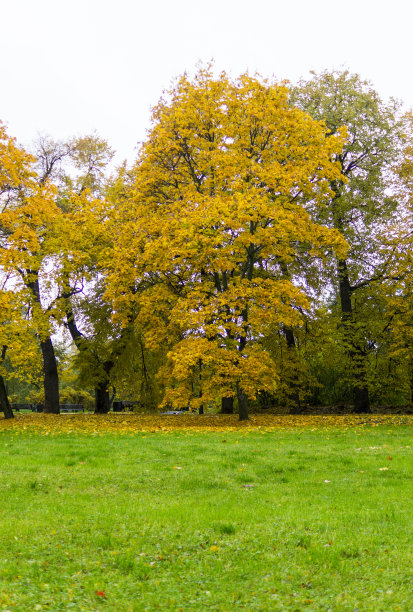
258	250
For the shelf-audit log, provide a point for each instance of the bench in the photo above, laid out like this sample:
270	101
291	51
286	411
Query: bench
32	407
39	408
71	408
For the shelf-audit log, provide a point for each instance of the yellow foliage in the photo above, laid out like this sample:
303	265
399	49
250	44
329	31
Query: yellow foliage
220	199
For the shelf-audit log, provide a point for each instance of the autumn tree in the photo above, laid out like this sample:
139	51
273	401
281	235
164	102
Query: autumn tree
71	253
42	253
31	230
87	314
361	203
218	204
27	208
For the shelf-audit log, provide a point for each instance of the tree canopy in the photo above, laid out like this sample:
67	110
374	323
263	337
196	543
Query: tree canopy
258	250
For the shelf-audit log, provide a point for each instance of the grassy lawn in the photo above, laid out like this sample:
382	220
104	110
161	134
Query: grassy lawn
295	519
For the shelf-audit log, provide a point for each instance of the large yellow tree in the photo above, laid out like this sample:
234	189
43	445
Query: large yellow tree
219	203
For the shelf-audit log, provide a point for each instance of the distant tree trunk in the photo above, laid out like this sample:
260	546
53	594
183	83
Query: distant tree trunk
227	405
294	395
241	396
410	374
146	390
4	401
361	399
50	377
102	398
201	407
354	350
242	404
50	374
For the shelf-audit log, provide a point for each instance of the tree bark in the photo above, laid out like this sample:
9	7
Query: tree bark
361	399
4	400
242	404
50	377
227	405
355	352
102	400
50	374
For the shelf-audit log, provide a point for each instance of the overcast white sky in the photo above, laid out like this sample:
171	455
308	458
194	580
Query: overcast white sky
68	68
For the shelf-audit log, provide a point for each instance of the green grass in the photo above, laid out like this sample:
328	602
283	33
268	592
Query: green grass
287	520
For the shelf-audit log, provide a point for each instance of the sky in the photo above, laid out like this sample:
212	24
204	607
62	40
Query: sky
70	68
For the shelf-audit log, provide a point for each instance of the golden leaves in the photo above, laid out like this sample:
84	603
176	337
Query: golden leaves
132	423
219	198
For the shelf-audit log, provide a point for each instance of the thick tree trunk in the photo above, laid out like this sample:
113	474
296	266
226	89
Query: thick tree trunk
242	404
102	400
4	401
50	377
361	400
227	405
355	352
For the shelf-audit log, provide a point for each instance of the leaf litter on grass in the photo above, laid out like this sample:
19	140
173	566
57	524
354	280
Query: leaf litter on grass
134	423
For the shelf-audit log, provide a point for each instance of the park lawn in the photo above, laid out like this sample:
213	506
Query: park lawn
287	519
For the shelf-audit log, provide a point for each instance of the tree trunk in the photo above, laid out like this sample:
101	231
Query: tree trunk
242	404
410	371
102	398
4	400
102	402
361	400
227	405
294	395
50	374
354	350
50	377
